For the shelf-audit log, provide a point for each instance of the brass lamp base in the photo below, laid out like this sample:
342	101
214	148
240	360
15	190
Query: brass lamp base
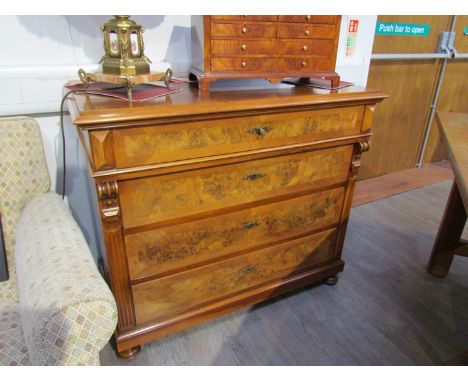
127	81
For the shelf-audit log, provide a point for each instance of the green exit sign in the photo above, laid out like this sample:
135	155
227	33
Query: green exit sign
402	29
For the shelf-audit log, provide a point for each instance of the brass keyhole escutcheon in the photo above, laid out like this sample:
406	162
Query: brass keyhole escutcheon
244	30
249	269
244	64
308	17
306	33
254	176
304	63
304	48
250	225
244	47
260	131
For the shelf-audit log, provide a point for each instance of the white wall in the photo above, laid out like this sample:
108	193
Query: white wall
356	69
40	53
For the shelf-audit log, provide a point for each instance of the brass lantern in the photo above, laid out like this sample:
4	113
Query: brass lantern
124	61
124	48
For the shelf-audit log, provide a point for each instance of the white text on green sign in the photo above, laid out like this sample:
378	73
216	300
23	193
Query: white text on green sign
401	29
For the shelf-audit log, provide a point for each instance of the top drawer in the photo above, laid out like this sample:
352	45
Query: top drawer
264	30
308	19
156	144
249	18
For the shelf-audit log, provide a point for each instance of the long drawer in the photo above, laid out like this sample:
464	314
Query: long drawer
159	198
172	248
138	146
272	48
274	64
187	290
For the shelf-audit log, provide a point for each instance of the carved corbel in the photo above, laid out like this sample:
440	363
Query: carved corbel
109	205
108	193
359	148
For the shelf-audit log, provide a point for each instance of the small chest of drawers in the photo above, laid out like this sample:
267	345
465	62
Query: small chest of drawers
210	202
271	47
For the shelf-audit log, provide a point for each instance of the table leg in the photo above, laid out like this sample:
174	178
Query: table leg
448	237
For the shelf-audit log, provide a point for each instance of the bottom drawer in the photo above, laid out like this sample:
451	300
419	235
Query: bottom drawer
184	291
272	64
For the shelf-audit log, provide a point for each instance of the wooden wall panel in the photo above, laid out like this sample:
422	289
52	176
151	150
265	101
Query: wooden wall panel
399	122
411	44
453	93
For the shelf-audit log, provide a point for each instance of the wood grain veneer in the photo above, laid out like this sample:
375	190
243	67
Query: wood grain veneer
155	144
167	249
226	46
214	201
186	290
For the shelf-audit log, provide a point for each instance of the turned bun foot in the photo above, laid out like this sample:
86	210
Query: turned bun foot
129	353
332	280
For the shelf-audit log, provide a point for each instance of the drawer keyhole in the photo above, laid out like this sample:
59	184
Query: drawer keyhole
247	270
260	131
244	30
250	225
254	176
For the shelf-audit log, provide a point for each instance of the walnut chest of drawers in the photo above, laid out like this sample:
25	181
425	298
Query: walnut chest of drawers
271	47
210	202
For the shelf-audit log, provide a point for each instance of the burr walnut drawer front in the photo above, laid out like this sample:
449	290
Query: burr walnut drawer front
269	64
272	48
250	18
138	146
168	249
244	30
296	30
308	19
181	292
163	198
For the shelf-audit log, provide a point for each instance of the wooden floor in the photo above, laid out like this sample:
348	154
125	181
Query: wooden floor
380	187
385	310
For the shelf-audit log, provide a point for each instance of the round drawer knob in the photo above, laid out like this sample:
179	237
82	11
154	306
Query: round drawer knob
244	47
304	48
244	64
304	63
244	30
308	17
306	33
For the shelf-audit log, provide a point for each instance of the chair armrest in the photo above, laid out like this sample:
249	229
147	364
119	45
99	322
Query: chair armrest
67	310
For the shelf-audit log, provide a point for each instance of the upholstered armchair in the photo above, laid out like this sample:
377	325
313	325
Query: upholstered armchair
55	309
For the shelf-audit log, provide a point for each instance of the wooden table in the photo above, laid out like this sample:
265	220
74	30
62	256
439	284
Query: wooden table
454	131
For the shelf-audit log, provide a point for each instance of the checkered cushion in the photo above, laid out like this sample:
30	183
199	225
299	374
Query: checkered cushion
55	309
23	174
13	349
67	310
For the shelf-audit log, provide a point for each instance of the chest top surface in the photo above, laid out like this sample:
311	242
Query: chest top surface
90	111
